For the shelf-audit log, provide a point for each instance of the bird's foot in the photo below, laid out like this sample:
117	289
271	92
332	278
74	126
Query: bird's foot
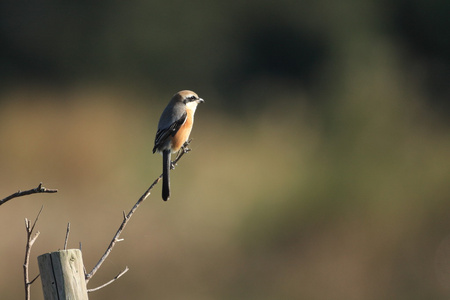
185	148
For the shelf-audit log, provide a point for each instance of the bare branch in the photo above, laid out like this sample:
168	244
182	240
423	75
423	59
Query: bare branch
37	276
33	239
115	239
39	189
30	241
109	282
35	221
67	236
127	217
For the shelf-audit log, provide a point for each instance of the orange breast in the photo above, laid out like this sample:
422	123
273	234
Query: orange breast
183	133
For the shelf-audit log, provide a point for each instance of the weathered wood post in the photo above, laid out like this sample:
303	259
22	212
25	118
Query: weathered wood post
62	275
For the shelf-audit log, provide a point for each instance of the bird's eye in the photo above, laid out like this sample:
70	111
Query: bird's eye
192	97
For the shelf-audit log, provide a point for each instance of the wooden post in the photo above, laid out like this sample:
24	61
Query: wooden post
62	275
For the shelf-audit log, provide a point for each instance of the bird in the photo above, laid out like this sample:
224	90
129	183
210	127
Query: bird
174	128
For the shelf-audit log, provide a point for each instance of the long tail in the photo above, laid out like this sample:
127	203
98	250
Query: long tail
166	178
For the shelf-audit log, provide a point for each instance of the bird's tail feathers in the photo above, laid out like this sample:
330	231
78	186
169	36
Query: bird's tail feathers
166	177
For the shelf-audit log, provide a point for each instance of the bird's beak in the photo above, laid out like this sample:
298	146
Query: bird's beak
200	100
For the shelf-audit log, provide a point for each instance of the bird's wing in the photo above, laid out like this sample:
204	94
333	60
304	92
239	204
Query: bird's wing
163	134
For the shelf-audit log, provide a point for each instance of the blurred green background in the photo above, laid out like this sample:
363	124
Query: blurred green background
320	162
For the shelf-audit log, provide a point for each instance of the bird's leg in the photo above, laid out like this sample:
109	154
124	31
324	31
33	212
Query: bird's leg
174	162
184	149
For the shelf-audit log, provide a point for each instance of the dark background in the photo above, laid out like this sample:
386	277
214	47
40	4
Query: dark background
320	162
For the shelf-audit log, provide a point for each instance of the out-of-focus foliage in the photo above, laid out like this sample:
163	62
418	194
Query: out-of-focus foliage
320	162
225	46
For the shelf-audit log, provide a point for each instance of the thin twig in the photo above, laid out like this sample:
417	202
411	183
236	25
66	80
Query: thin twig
37	276
109	282
30	241
67	236
39	189
127	217
37	218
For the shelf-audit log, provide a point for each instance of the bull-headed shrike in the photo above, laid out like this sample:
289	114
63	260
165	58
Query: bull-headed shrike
174	128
